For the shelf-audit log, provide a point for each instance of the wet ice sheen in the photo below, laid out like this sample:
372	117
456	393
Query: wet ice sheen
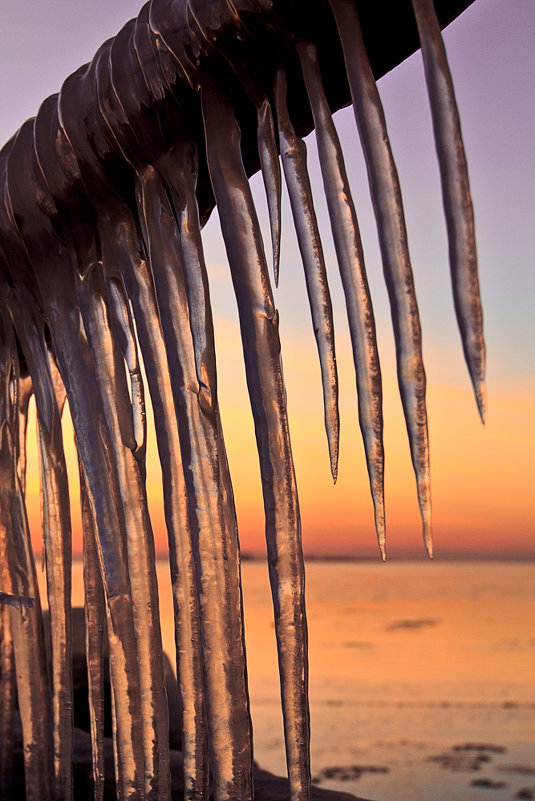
101	260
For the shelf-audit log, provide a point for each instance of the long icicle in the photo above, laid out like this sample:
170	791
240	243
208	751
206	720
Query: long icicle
95	627
110	376
25	392
269	162
20	592
57	539
52	265
212	514
122	256
8	688
180	167
8	694
456	196
76	370
178	163
202	446
388	206
135	271
86	412
181	171
124	332
350	256
293	154
249	67
259	327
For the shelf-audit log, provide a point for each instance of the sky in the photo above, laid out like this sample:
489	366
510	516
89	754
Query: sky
483	479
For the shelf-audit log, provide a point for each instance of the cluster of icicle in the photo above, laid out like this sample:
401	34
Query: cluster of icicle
101	263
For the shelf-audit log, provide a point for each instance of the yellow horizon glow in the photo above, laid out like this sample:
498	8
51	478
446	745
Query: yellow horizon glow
482	478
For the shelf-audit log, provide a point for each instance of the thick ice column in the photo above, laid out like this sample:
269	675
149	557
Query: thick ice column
57	536
77	373
90	432
7	707
211	509
136	272
212	514
95	628
261	345
20	592
165	158
24	394
108	225
111	380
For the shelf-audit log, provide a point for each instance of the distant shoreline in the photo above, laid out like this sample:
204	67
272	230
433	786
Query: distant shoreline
440	559
395	559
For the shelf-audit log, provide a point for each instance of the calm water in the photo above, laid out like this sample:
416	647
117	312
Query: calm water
422	676
409	664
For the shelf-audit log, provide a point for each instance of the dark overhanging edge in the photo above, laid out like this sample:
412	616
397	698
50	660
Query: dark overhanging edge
388	45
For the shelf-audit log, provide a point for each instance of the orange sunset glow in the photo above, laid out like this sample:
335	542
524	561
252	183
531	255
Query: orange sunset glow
481	476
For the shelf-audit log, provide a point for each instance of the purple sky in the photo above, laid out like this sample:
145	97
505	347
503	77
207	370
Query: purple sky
493	64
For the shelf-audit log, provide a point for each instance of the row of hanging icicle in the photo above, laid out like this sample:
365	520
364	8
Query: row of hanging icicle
101	265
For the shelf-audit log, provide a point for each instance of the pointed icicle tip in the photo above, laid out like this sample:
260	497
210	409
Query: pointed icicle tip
481	400
333	454
428	540
380	528
382	550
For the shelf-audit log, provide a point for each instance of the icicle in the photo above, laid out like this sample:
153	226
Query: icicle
7	706
212	515
111	379
293	154
25	392
165	246
388	206
95	622
57	383
259	327
269	161
350	256
18	579
248	66
124	254
124	332
122	257
456	196
57	534
57	539
128	499
73	240
181	167
88	418
53	274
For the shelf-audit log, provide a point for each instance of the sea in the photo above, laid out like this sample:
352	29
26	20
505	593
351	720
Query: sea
422	676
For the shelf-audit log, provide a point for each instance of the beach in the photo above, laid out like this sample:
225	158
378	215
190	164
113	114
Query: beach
422	674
